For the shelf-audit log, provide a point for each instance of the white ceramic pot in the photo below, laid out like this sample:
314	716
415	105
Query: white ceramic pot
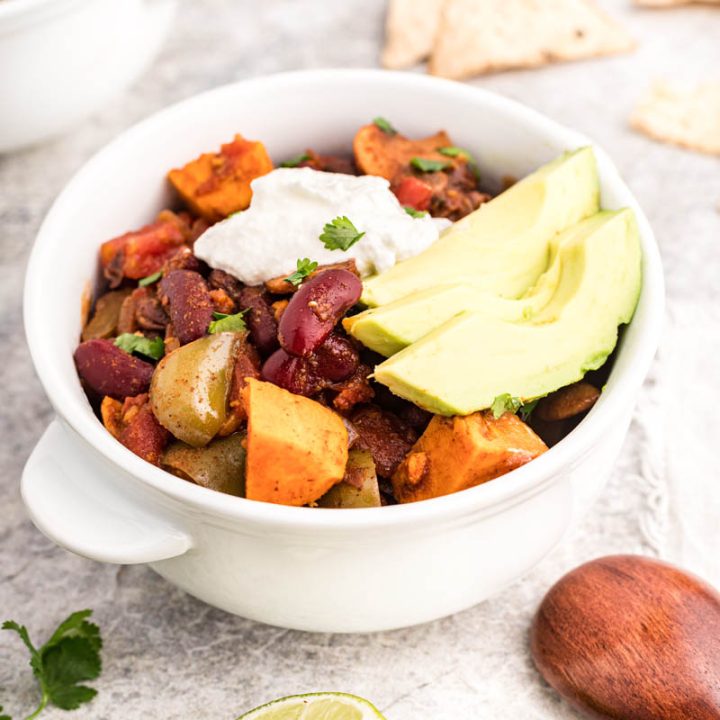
312	569
62	59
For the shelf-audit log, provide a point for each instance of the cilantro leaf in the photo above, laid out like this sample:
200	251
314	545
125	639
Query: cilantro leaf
69	657
504	403
454	151
426	165
150	279
340	234
304	267
507	403
384	125
295	161
413	212
153	348
223	322
526	409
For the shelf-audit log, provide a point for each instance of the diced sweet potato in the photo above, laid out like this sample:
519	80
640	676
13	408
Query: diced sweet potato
140	253
379	153
218	184
456	453
296	447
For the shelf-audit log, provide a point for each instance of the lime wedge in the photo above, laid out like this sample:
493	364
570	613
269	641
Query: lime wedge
316	706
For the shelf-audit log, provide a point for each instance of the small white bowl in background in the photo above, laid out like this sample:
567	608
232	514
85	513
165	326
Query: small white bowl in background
60	60
312	569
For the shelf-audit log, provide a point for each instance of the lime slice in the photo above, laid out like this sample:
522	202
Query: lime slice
316	706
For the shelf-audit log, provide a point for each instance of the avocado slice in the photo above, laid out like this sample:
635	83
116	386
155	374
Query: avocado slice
389	328
503	246
462	366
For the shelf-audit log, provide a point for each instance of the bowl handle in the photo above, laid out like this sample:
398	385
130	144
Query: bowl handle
71	499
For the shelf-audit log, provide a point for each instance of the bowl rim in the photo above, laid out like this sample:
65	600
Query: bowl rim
487	498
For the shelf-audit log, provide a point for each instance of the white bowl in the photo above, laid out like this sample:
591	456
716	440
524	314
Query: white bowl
319	570
64	59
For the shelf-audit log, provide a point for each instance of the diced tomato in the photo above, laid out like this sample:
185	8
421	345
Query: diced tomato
413	192
145	250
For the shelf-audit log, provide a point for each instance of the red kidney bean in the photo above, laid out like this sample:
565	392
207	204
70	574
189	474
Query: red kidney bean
315	309
260	318
186	297
336	359
145	436
292	373
108	370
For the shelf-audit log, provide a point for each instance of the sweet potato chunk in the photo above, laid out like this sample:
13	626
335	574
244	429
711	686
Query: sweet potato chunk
379	153
456	453
296	447
218	184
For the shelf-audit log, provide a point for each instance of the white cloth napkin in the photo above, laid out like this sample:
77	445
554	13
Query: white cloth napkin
680	419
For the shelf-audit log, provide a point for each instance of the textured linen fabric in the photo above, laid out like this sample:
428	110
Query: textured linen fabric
172	657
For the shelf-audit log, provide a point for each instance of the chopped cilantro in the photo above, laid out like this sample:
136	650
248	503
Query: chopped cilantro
71	656
384	125
454	151
413	212
425	165
507	403
295	161
504	403
222	322
340	234
150	279
527	408
304	267
153	348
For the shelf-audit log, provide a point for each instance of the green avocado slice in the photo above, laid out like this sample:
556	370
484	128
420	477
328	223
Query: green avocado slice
390	328
462	366
502	247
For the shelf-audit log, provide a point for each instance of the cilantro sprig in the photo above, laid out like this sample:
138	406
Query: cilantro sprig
153	348
144	282
427	165
507	403
70	657
223	322
305	266
340	234
295	161
384	125
412	212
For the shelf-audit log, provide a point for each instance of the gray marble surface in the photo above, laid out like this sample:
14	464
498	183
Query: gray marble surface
170	656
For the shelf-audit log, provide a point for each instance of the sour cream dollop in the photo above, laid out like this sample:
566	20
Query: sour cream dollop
290	207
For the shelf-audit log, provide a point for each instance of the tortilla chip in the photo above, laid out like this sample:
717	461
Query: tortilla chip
674	3
689	118
410	30
480	36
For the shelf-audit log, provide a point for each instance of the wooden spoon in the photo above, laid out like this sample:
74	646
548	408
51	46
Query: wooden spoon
631	638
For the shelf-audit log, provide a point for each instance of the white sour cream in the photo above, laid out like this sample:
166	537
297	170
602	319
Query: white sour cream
290	207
